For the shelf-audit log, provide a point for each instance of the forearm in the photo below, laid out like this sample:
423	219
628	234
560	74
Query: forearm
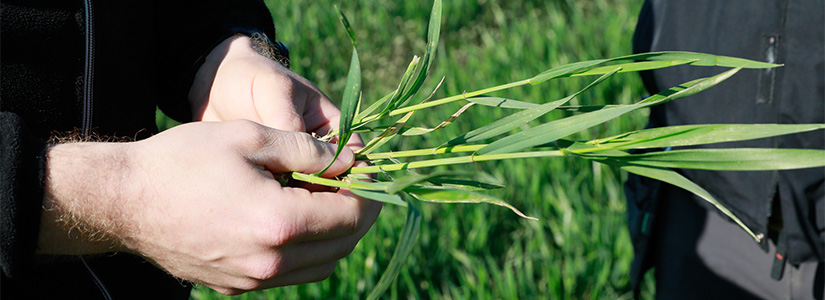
84	199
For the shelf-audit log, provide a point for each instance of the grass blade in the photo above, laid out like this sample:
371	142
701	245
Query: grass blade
502	102
736	159
402	250
464	184
352	94
441	195
634	67
433	34
688	135
380	197
518	119
420	131
677	179
554	130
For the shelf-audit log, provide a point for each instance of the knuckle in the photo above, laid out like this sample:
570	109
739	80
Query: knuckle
306	144
265	270
248	285
228	291
325	272
250	131
345	248
277	231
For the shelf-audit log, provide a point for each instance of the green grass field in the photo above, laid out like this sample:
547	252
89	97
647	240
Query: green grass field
580	248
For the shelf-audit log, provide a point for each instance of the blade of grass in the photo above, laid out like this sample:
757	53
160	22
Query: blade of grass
402	250
407	181
380	197
352	94
554	130
688	135
518	119
442	195
677	179
433	34
420	131
502	102
736	159
674	58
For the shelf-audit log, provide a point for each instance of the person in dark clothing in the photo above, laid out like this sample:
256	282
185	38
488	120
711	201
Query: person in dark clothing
696	252
197	203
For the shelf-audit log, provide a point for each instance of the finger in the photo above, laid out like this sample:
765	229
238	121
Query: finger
280	99
321	115
283	151
321	216
317	252
306	275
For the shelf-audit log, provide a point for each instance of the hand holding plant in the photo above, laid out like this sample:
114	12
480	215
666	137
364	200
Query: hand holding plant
399	181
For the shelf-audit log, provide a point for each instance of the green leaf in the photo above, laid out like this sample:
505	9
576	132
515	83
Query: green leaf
441	195
352	94
634	67
464	184
687	135
702	59
420	130
380	196
554	130
373	107
502	102
518	119
345	23
402	250
668	58
401	92
433	33
404	182
565	70
677	179
736	159
587	108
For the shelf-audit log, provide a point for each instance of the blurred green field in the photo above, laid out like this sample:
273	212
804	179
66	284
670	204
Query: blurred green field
580	248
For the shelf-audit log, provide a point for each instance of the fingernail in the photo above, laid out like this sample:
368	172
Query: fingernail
346	156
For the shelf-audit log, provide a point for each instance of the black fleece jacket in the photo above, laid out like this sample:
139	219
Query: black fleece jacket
102	67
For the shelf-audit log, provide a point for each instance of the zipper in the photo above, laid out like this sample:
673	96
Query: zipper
88	105
88	72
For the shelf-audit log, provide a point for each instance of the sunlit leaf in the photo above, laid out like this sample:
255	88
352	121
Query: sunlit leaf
518	119
687	135
735	159
380	196
678	180
502	102
439	195
352	94
551	131
402	250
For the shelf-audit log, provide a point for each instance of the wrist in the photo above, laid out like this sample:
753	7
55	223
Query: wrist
85	203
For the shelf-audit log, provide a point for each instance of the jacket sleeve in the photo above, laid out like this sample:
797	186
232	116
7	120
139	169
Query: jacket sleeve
187	30
22	170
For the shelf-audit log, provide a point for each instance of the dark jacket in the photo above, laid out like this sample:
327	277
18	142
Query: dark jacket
102	67
778	31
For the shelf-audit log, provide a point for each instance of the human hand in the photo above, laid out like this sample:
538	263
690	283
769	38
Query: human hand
200	201
235	82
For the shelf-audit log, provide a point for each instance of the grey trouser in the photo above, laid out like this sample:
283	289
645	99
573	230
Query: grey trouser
700	255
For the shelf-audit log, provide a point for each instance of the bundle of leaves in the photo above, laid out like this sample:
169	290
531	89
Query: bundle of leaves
400	182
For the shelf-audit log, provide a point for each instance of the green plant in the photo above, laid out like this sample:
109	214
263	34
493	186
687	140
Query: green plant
547	140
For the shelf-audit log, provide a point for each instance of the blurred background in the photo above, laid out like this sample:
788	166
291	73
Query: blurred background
579	248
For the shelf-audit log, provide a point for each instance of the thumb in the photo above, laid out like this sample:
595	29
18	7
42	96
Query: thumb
285	151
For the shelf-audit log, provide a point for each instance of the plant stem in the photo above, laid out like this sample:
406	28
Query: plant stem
423	152
458	97
338	183
453	161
